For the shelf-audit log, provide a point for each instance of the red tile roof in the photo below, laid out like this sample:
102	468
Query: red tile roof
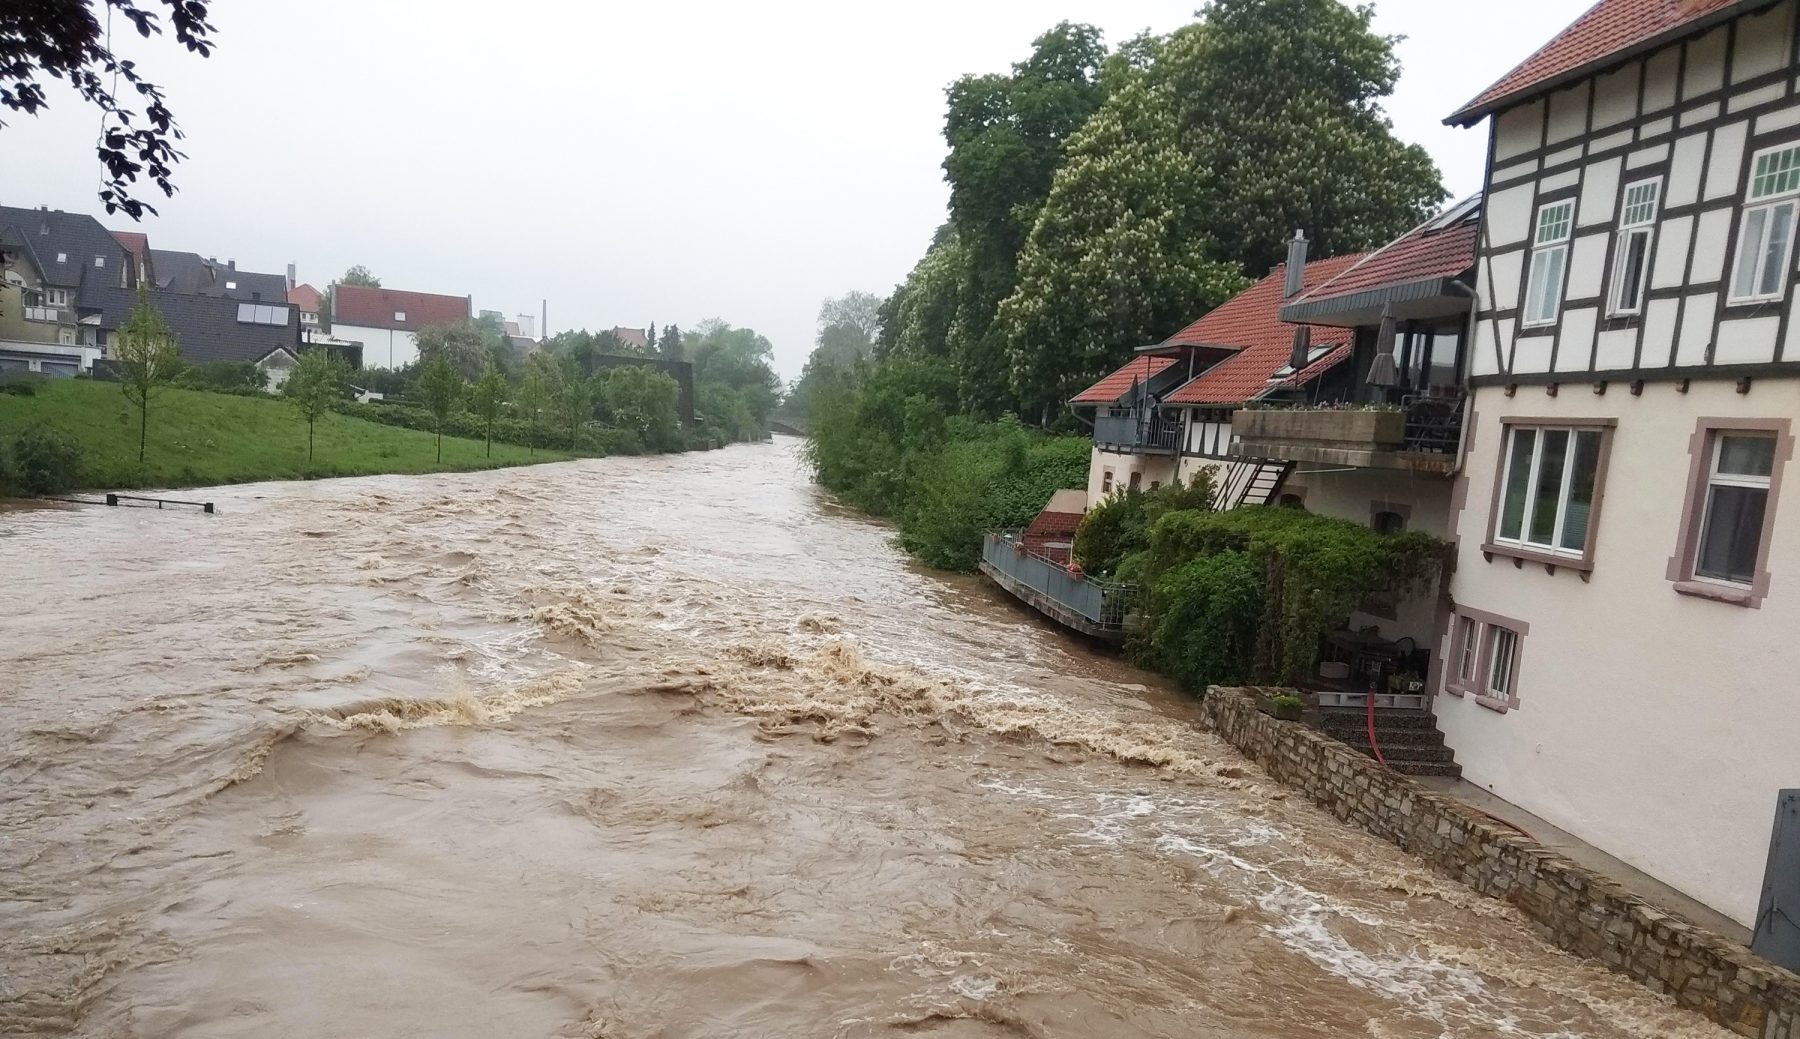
307	298
1423	253
1251	321
1611	29
1114	386
375	308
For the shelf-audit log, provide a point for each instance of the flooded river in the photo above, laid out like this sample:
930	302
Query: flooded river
658	748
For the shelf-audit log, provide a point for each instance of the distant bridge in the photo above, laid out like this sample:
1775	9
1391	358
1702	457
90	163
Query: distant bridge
788	428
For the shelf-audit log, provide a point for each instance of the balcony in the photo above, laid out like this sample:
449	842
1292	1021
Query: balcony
1138	431
1421	436
1095	608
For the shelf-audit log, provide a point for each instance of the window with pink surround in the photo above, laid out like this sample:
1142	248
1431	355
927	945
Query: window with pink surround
1734	480
1482	658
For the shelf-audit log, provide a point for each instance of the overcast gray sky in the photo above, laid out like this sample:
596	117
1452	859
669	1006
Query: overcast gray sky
632	163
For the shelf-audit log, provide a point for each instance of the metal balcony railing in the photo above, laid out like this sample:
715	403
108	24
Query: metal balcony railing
1433	424
1103	604
1138	431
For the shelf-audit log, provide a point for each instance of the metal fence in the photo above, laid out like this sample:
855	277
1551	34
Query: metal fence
1104	604
1433	424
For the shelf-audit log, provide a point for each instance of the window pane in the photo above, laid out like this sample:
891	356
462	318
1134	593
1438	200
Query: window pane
1500	666
1640	203
1581	491
1632	252
1774	266
1518	480
1776	173
1466	667
1548	493
1553	278
1750	246
1746	455
1733	534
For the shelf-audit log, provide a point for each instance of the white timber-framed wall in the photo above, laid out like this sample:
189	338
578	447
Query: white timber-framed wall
1589	673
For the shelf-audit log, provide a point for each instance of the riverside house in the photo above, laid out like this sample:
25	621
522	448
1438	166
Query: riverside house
1620	658
1337	390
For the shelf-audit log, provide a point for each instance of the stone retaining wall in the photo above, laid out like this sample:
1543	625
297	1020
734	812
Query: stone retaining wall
1574	907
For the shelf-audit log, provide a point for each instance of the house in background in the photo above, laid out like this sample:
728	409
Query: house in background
1627	583
633	338
56	262
310	302
386	321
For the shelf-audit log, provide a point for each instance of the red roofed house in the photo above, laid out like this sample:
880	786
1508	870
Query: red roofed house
385	321
1338	390
310	302
1628	673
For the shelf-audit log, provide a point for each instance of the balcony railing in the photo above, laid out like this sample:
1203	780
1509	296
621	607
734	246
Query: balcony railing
1140	431
1433	424
1422	435
1096	607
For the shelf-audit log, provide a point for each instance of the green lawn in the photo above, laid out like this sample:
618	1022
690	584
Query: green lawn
199	438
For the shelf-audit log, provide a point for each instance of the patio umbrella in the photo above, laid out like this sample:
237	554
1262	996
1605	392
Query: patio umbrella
1383	371
1302	348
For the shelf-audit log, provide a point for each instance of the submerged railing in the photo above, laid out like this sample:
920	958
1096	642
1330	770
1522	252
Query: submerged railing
1104	605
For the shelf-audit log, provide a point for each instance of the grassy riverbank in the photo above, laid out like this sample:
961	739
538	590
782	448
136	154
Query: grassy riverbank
199	438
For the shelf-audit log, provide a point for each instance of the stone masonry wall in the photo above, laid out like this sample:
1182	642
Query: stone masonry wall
1576	909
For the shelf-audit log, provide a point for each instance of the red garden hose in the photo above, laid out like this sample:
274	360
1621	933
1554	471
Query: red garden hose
1376	747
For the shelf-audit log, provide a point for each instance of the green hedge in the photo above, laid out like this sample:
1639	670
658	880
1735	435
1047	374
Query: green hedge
595	440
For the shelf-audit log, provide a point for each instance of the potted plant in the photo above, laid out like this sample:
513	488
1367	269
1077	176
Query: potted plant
1405	682
1287	707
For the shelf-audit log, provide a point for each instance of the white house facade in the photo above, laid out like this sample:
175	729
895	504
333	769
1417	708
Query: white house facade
1619	659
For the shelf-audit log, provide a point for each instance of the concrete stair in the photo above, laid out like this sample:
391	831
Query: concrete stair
1410	740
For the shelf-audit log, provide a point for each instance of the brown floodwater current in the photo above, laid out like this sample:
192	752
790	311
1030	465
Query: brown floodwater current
652	748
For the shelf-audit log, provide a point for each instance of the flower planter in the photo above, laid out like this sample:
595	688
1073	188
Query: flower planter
1380	429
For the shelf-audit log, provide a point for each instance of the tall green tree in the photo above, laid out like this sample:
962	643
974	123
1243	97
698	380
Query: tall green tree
1006	136
669	347
1119	256
486	399
316	382
571	398
642	400
440	386
534	394
359	275
1280	101
739	358
147	356
464	344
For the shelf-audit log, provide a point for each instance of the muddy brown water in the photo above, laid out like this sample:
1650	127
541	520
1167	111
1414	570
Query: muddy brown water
661	747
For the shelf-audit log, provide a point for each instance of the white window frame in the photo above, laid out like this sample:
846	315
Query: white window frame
100	262
1632	228
1546	243
399	315
1540	435
1766	201
1715	478
56	297
1502	679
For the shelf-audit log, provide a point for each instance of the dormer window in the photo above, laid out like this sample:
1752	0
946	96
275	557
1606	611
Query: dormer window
100	261
399	315
1766	233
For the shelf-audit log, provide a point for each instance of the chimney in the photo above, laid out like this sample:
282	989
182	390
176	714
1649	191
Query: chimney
291	281
1296	265
232	264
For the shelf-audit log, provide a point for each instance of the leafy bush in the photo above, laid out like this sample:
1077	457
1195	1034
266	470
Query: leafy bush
1120	526
595	440
45	460
1286	575
1002	478
644	401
